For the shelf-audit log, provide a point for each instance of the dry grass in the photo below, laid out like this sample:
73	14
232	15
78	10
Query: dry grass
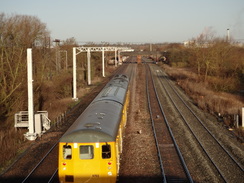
226	104
13	141
54	100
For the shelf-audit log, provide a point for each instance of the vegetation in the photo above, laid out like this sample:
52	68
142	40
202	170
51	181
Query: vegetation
216	62
211	71
211	66
52	75
17	34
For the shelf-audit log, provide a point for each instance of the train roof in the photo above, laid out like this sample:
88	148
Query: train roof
98	123
115	90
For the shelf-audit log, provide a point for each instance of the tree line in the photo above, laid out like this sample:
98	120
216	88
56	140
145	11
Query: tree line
52	65
17	33
216	61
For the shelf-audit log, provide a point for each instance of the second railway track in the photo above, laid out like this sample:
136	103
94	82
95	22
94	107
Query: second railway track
172	164
202	158
218	158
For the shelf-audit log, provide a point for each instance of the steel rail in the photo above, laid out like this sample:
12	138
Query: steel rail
154	132
38	164
191	130
171	133
198	119
119	70
53	176
204	126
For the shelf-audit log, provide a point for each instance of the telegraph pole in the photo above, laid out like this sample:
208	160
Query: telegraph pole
66	59
228	35
57	41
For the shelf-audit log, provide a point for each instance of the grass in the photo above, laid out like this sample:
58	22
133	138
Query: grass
13	142
225	104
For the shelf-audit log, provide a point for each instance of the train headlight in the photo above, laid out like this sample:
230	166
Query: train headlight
110	173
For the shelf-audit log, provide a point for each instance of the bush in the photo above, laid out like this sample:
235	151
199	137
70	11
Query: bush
224	84
203	95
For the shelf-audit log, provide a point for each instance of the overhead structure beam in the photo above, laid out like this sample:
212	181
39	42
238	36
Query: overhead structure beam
94	49
78	50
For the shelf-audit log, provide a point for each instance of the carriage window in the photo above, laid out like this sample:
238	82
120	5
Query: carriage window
106	151
86	152
67	152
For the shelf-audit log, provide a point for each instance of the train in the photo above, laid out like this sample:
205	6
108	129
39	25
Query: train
90	150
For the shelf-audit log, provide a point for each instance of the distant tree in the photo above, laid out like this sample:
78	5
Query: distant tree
203	55
66	49
18	32
70	42
216	61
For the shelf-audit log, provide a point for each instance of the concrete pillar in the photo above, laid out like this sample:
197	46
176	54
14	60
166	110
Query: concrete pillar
31	135
242	117
74	74
115	60
89	66
103	62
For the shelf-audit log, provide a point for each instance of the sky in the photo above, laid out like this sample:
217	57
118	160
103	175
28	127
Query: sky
134	21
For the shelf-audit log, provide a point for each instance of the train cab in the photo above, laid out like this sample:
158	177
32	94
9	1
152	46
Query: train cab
95	162
90	149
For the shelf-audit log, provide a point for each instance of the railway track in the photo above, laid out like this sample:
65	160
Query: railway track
38	173
173	166
225	166
44	169
172	171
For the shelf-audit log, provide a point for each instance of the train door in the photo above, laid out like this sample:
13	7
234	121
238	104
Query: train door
108	163
66	166
86	165
95	163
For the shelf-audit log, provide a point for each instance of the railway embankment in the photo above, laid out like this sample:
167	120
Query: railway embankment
56	106
226	107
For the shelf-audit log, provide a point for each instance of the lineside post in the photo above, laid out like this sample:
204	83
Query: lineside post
103	62
31	135
119	60
115	55
89	66
242	117
74	75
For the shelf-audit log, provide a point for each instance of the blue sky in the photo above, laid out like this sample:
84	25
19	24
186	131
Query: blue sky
133	20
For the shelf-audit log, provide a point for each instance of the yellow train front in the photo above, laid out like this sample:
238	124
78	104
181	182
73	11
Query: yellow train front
89	152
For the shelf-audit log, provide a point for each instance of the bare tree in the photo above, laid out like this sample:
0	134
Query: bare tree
202	49
18	32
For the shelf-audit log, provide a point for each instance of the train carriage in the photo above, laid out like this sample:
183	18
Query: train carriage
90	149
